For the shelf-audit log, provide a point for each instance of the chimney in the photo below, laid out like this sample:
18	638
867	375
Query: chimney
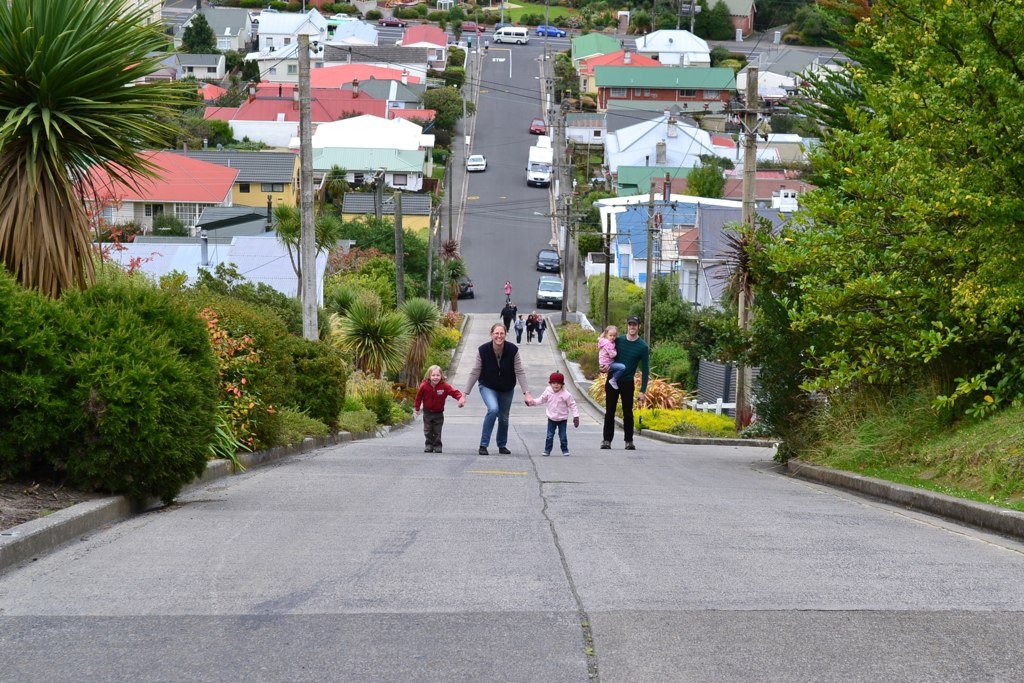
405	77
659	153
184	148
627	57
672	131
270	214
355	88
280	90
204	246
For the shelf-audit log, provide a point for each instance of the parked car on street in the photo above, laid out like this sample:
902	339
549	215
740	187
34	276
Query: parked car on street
549	291
538	127
392	21
550	31
476	162
548	259
466	288
473	27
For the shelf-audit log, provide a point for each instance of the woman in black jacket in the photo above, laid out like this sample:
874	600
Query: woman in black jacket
498	367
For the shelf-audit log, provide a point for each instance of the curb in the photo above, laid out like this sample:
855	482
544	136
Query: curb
581	384
30	540
990	517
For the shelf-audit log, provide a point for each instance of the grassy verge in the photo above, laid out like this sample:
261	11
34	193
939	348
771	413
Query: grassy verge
514	14
903	440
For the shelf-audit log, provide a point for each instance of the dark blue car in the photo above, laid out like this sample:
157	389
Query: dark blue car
550	31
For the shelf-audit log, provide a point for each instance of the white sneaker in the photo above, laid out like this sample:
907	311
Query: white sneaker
613	384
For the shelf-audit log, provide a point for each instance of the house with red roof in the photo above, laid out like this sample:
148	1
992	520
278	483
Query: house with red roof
425	35
271	114
182	187
343	74
210	92
618	58
770	187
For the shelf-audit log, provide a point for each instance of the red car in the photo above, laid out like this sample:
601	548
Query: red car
537	127
393	21
473	27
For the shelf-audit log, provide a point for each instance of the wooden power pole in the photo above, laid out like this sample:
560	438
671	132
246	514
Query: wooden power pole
650	266
744	377
399	251
307	236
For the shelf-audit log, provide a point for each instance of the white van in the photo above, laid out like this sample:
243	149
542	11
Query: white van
519	35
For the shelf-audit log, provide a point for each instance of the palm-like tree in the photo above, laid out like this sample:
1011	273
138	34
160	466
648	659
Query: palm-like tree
377	340
328	227
423	318
452	268
336	185
66	108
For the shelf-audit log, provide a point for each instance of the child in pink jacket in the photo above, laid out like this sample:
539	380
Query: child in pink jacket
606	353
560	403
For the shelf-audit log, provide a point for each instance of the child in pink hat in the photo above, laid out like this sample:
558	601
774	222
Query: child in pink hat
559	404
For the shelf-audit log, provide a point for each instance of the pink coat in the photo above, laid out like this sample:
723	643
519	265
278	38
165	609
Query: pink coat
606	351
559	404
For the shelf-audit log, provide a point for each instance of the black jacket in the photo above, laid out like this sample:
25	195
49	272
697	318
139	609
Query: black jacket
494	376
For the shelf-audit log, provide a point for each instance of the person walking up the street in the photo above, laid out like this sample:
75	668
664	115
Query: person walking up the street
508	292
631	351
542	325
508	314
519	326
498	368
559	404
431	395
531	326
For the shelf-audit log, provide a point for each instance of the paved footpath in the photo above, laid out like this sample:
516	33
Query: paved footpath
374	561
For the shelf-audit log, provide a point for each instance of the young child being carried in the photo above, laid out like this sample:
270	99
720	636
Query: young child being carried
431	395
560	403
606	353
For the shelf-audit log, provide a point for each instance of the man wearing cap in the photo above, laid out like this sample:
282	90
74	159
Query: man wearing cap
632	352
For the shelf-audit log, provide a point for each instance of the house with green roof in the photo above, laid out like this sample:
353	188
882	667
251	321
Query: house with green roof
592	44
631	180
403	169
657	88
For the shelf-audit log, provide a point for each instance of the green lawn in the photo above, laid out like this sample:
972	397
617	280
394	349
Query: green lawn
529	8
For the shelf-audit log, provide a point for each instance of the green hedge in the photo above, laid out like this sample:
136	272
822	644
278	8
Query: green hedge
142	409
321	374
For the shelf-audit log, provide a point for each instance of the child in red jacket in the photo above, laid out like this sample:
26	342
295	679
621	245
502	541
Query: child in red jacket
431	395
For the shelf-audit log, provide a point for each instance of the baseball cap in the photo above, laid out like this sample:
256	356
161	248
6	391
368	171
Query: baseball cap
633	319
556	378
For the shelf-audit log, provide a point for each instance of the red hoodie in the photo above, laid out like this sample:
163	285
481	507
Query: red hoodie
432	398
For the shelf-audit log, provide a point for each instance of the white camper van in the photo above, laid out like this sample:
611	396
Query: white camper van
519	35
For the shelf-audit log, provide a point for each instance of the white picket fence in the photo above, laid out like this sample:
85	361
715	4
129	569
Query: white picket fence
717	407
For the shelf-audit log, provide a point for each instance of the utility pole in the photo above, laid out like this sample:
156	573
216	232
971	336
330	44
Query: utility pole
547	23
650	264
607	270
744	377
565	165
378	194
399	251
448	192
431	227
307	235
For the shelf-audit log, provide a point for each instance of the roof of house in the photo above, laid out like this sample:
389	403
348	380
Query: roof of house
639	142
209	91
585	120
276	102
425	33
372	132
696	78
419	114
236	220
225	21
362	203
354	33
378	54
261	259
391	90
634	179
367	159
343	74
671	40
739	8
252	167
617	58
288	23
631	225
591	44
178	179
187	59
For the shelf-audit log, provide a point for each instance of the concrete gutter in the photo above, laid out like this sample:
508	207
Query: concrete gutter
38	537
1001	520
582	384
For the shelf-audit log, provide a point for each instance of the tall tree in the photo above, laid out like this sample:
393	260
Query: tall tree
327	226
66	107
198	37
706	181
447	105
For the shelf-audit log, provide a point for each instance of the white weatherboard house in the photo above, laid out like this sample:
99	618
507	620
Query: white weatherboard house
675	48
665	141
280	29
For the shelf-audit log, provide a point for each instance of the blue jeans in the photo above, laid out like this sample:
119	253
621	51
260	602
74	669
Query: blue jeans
615	371
498	404
562	440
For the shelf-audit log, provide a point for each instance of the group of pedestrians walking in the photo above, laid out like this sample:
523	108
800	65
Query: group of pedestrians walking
498	369
534	325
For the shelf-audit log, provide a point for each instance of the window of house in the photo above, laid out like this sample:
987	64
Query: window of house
211	70
287	41
224	44
273	71
597	133
243	188
642	92
400	179
358	179
712	94
270	41
271	187
293	69
151	210
107	214
687	92
623	265
189	213
618	92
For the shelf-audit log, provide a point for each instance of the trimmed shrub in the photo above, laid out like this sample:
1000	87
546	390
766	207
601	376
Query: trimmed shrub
143	407
622	295
671	361
169	224
357	421
321	374
34	377
377	396
297	425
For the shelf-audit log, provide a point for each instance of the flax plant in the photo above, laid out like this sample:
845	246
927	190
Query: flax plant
69	103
